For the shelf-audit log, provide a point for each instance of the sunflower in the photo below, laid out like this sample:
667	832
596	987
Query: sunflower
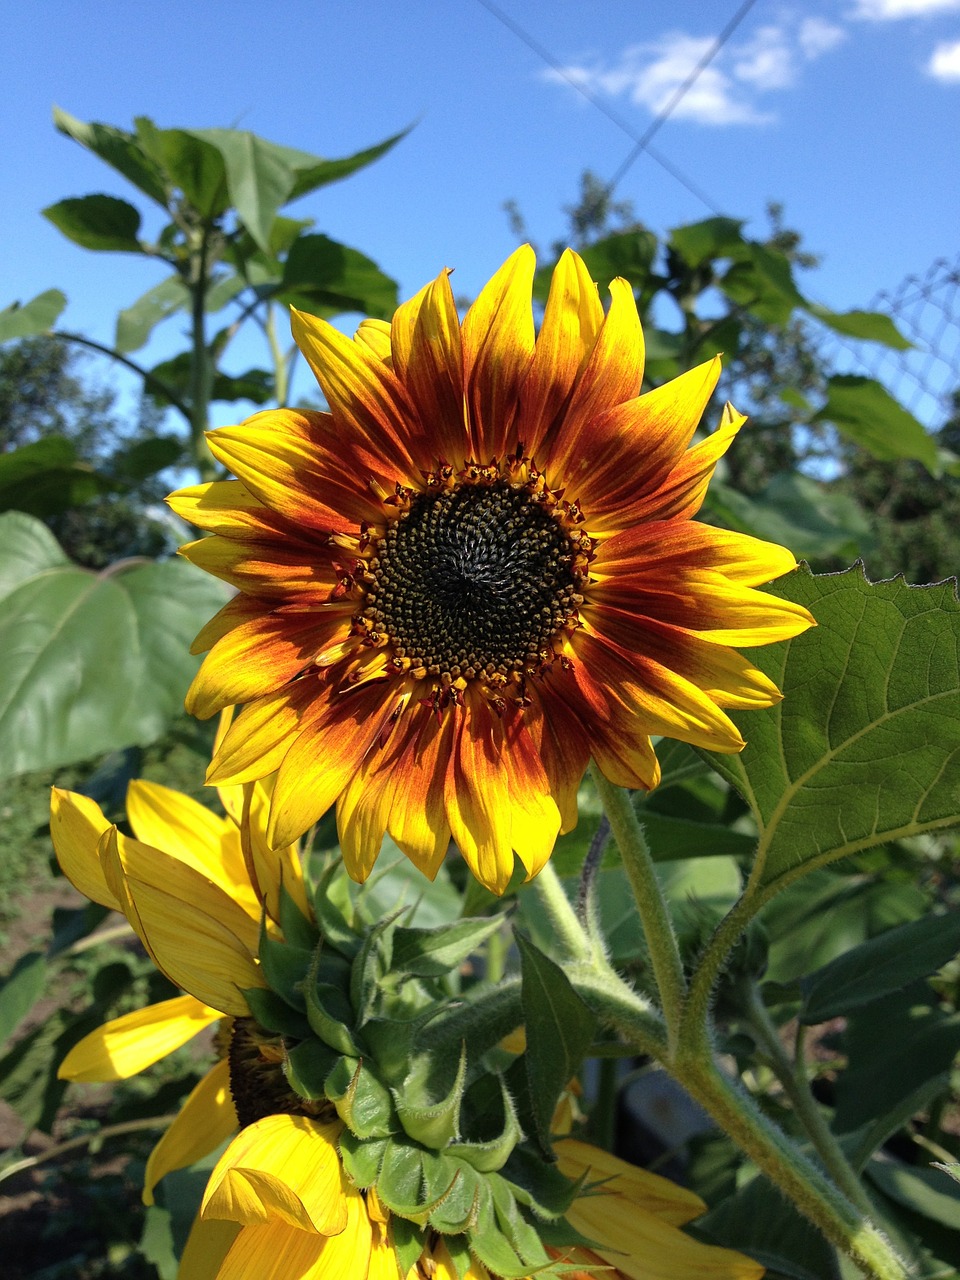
478	570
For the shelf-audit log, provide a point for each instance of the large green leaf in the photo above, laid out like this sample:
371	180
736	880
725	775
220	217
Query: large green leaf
711	238
311	172
190	164
97	222
136	322
36	316
865	746
880	966
46	477
92	662
260	177
801	513
121	150
320	272
865	412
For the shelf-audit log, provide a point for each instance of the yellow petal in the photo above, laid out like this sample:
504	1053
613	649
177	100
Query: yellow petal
207	1245
279	1252
647	1191
192	929
284	1167
121	1048
76	825
207	1118
375	334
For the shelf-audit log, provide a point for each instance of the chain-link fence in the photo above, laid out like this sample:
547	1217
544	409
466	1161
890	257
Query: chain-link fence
926	310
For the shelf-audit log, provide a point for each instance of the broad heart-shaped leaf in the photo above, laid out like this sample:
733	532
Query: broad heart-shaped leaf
321	273
260	177
36	316
559	1030
136	322
45	477
193	166
122	151
711	238
92	662
865	746
97	222
880	966
868	326
865	412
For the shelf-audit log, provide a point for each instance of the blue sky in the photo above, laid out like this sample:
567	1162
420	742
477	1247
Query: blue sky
847	111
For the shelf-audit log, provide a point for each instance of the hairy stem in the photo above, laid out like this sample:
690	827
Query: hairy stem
563	919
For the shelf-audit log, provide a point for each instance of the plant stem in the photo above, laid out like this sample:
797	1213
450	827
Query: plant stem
149	379
560	910
793	1077
201	368
664	952
85	1140
280	375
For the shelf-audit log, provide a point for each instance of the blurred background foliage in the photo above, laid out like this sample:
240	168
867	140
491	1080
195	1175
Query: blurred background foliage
832	465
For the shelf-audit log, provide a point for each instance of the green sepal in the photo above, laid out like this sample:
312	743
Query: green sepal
274	1014
481	1020
284	967
434	953
439	1180
455	1211
540	1186
458	1247
298	930
435	1124
522	1236
370	964
307	1066
362	1158
489	1244
391	1044
487	1157
362	1102
407	1240
400	1183
330	913
328	1010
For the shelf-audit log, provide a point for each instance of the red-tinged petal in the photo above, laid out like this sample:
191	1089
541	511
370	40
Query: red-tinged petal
295	464
562	741
722	673
334	736
662	546
707	604
682	492
626	454
369	404
498	344
428	357
205	1120
261	655
228	508
270	869
375	335
418	821
478	801
76	826
263	733
571	321
612	375
534	814
285	573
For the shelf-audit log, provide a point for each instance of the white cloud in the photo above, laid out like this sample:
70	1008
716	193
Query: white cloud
944	63
728	90
889	10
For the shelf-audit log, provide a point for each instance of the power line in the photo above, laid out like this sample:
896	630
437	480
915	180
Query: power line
642	140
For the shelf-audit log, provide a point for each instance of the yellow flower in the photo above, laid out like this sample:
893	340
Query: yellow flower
478	570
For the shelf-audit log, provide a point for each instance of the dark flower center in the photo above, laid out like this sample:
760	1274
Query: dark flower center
474	581
257	1083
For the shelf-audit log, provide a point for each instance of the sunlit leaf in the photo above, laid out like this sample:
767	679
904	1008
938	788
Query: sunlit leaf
311	172
711	238
811	518
259	177
97	222
868	326
121	150
136	322
865	412
865	746
319	272
46	477
33	317
63	629
191	165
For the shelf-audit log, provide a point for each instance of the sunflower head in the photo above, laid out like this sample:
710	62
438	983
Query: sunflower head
480	568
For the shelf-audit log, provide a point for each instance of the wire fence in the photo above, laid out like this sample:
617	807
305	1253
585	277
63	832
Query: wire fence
926	310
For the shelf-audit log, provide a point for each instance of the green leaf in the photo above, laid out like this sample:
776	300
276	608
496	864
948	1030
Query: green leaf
893	1047
256	385
870	714
762	282
312	173
98	222
37	316
879	967
928	1192
433	953
137	462
62	628
122	151
136	322
559	1028
193	166
321	273
45	478
806	515
260	177
21	989
867	326
865	412
711	238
